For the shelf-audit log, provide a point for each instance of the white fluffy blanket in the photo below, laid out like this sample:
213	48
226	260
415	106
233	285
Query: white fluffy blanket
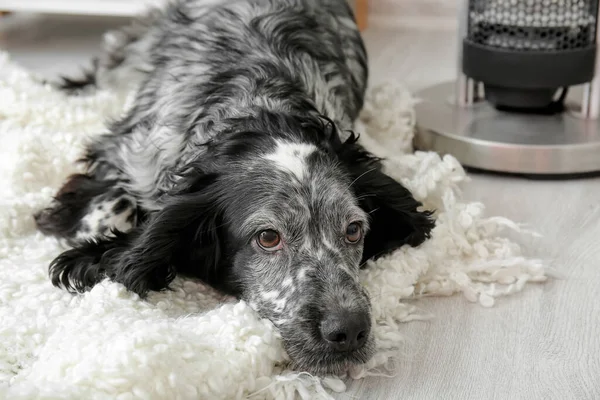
192	343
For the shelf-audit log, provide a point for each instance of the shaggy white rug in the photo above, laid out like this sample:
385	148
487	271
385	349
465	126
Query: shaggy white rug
192	343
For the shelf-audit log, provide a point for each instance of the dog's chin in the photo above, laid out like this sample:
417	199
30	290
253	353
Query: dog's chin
325	362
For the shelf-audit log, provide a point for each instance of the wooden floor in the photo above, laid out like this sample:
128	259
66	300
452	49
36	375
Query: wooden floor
541	344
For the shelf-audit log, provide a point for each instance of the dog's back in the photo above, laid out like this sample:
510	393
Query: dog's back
313	44
206	61
200	65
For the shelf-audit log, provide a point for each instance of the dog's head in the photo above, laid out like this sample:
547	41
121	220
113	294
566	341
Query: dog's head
283	215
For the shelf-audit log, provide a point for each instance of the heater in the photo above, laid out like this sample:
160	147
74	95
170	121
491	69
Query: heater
527	96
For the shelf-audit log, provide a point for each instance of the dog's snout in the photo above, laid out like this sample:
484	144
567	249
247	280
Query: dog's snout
345	331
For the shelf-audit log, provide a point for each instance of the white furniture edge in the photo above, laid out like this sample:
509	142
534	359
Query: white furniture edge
413	22
84	7
412	14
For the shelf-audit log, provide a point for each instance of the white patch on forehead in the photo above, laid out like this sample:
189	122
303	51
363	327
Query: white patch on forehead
291	157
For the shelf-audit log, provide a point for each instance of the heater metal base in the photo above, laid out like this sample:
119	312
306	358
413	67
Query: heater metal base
481	137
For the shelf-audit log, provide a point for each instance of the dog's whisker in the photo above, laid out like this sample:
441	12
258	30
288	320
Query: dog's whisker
364	196
361	175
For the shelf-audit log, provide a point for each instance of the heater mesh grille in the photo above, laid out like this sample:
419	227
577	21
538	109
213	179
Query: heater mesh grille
538	25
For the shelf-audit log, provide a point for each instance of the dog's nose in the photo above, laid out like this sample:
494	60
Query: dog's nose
345	331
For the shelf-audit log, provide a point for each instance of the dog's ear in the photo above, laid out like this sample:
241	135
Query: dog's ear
395	218
183	237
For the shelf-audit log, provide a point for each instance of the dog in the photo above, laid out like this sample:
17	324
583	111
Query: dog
237	165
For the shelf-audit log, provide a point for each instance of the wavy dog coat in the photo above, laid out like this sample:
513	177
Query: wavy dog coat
241	125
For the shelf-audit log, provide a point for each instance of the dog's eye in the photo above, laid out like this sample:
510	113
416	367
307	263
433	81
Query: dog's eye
269	240
353	232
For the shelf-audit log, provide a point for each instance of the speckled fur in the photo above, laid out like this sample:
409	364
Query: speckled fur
241	123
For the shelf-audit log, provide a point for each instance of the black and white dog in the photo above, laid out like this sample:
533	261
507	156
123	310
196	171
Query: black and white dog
236	165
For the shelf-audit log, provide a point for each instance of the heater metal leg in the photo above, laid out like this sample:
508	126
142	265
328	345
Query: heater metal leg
590	102
467	91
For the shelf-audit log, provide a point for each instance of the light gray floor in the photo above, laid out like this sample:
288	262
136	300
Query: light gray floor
541	344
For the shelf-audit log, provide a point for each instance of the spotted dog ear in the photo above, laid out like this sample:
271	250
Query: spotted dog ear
395	219
183	237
